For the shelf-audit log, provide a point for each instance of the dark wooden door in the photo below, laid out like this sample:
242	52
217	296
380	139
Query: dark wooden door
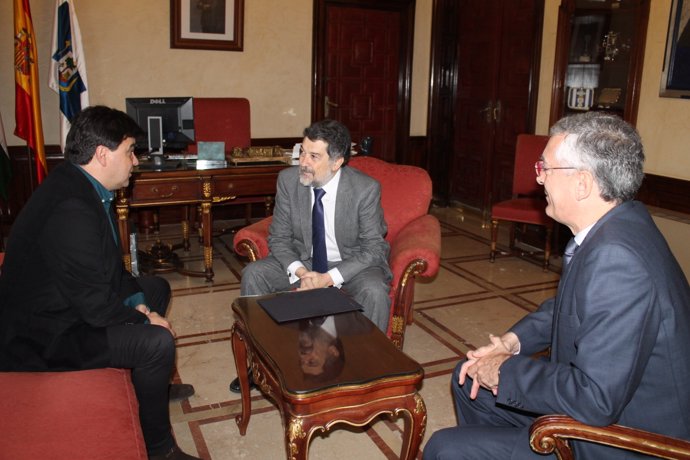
498	61
362	71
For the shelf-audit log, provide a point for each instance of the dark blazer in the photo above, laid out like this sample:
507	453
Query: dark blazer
359	224
619	331
63	280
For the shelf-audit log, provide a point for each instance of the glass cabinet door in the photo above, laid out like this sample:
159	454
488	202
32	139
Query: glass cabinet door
599	53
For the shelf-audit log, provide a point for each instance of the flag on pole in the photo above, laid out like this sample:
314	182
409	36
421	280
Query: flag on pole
5	170
27	104
68	66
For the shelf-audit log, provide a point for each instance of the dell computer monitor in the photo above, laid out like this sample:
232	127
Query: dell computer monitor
168	122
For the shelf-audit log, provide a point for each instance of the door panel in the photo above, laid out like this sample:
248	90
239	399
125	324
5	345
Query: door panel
362	77
362	65
498	57
478	65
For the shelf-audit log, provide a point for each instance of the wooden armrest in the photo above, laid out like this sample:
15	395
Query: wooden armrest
551	433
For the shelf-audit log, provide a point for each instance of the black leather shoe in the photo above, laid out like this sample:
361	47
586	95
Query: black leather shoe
175	453
235	384
180	392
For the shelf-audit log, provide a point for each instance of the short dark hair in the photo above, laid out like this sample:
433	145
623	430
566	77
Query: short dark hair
333	133
608	147
94	126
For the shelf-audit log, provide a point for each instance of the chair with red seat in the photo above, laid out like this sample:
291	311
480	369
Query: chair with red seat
527	205
222	119
413	234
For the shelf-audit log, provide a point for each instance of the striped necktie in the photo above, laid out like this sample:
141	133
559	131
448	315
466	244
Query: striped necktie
569	252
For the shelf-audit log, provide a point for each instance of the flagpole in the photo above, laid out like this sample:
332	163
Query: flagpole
30	159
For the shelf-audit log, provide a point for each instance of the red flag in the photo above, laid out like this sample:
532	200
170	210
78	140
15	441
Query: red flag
27	98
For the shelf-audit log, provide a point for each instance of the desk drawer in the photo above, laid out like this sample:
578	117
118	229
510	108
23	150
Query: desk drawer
245	185
156	191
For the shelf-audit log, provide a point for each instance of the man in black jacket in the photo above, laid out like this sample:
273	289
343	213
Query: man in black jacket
66	300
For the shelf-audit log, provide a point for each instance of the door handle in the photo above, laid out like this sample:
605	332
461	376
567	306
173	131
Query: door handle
497	112
327	104
488	112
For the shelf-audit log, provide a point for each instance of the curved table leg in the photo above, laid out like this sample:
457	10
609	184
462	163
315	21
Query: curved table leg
296	439
239	351
415	425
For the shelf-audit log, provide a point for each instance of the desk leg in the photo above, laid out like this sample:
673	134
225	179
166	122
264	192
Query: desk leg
415	425
185	228
239	351
207	223
122	209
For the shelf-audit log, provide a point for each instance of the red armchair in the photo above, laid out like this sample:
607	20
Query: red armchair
70	415
413	234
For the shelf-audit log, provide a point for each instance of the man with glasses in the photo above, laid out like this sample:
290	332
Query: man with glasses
618	328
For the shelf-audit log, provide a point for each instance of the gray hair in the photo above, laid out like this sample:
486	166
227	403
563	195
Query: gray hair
608	147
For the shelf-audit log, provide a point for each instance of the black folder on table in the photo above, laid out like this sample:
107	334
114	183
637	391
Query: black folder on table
291	306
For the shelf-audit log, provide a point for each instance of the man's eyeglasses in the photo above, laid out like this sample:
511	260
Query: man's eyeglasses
540	168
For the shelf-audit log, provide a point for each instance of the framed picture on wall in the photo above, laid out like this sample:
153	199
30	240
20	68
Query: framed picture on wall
207	24
675	76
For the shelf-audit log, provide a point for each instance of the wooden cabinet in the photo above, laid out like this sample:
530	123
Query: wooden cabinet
599	54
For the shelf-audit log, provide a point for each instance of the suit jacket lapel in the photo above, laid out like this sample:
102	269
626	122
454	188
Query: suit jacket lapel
343	207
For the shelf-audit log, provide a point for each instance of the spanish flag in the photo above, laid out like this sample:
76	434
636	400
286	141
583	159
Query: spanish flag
27	97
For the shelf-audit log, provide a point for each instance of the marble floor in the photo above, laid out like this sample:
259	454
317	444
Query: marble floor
454	312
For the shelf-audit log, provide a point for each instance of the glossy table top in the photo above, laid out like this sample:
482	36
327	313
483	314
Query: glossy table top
335	351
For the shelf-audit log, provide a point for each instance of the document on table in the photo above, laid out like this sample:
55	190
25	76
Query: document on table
291	306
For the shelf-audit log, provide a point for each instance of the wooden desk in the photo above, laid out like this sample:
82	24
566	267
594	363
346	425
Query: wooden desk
186	186
375	377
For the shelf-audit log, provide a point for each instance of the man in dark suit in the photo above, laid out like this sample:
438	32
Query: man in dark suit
66	300
618	328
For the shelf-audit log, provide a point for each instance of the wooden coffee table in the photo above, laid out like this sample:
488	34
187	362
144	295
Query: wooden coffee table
374	378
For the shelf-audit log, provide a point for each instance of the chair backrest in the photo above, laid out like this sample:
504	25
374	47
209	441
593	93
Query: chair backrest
405	191
225	119
528	149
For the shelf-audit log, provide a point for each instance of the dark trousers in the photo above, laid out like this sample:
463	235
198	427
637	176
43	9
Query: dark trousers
485	430
149	351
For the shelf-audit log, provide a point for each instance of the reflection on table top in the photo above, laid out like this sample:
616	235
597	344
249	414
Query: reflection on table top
319	353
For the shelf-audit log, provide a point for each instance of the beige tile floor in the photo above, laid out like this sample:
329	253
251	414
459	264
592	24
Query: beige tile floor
469	299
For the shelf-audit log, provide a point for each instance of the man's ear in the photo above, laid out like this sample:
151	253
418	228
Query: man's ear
585	185
337	164
101	155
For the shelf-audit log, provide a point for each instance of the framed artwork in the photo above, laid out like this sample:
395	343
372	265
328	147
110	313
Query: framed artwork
207	24
675	76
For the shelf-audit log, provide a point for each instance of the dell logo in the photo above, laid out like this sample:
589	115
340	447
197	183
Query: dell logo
157	101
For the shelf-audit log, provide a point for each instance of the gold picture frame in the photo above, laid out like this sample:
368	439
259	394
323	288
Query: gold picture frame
207	24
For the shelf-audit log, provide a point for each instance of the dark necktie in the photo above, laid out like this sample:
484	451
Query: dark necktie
318	231
570	249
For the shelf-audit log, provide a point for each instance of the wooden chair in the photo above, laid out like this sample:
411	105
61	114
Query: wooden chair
527	205
413	234
550	434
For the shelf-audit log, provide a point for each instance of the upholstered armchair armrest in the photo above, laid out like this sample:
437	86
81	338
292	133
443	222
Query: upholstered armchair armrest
419	242
252	240
550	434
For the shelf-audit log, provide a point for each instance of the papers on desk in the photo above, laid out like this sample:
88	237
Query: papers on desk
210	155
295	305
